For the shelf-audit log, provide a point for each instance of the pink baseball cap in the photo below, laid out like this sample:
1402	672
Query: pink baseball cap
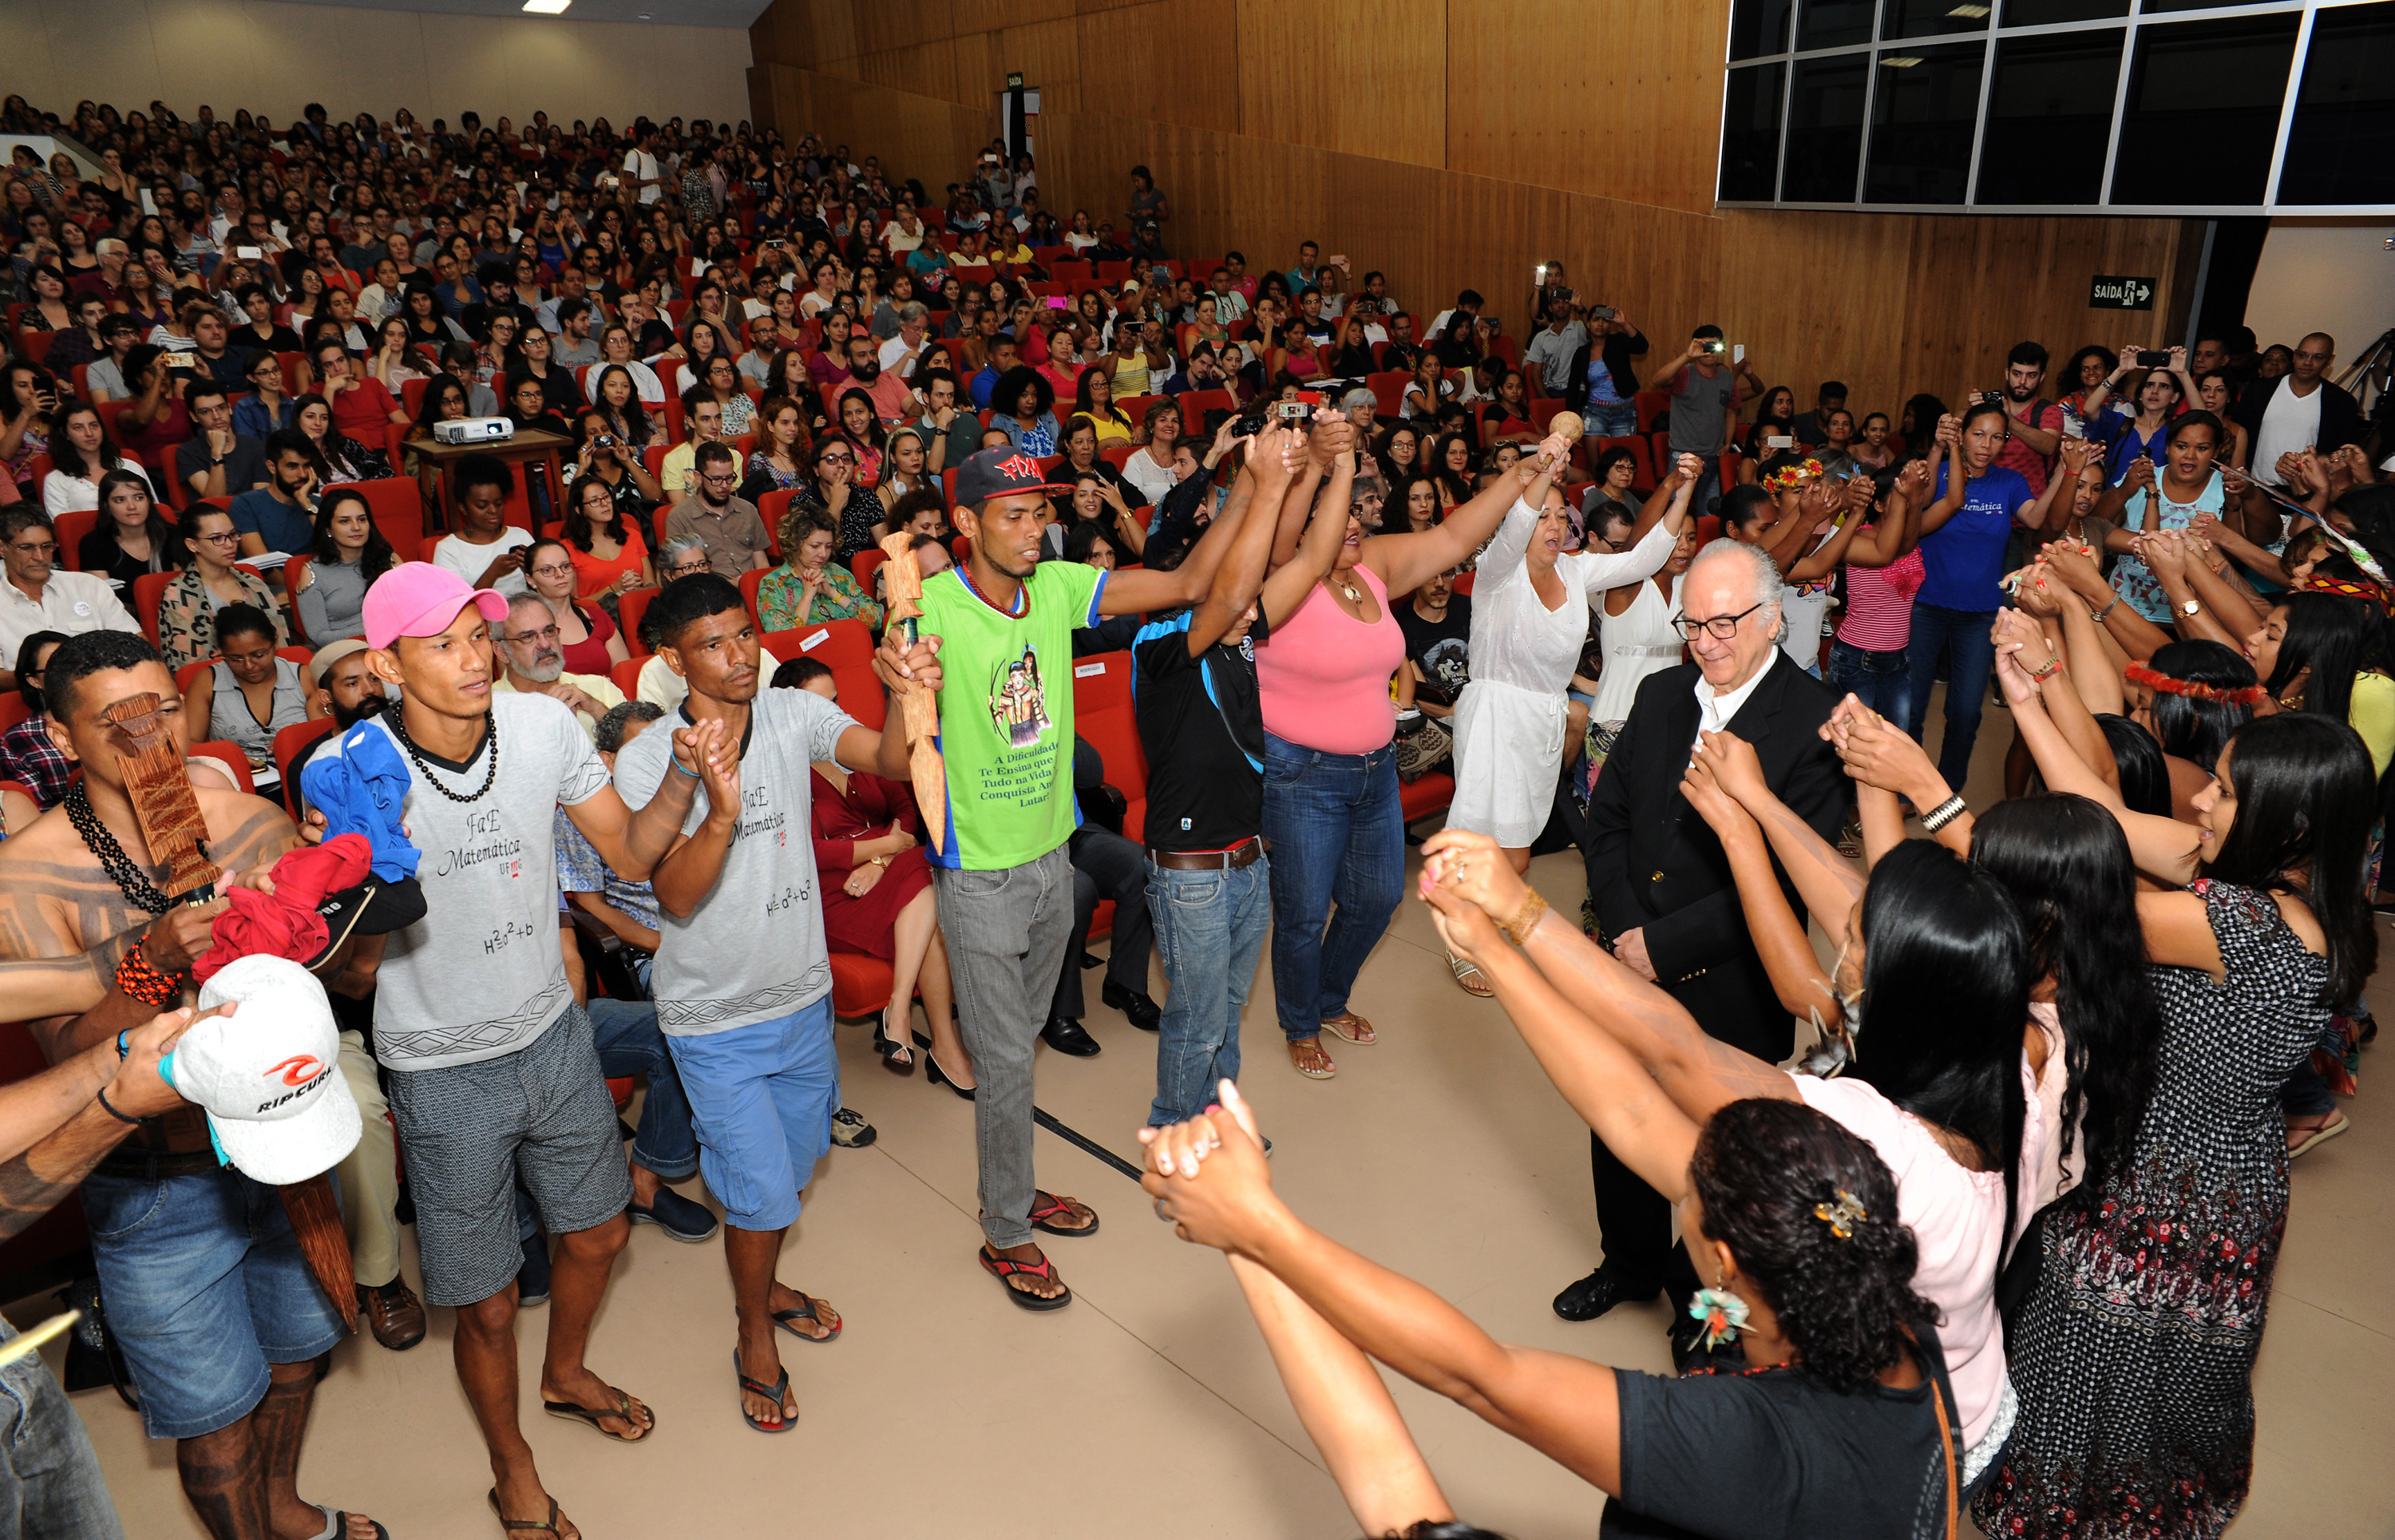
418	599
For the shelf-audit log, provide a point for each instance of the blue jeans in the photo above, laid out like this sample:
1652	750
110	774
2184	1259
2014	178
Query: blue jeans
1959	639
206	1287
629	1044
1610	418
1338	836
50	1486
1209	931
1879	680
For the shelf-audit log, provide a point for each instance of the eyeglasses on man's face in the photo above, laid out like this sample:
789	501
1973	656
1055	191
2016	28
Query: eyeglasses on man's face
1723	627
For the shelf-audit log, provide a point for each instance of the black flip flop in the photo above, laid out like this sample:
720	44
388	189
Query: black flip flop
811	1310
773	1392
1002	1269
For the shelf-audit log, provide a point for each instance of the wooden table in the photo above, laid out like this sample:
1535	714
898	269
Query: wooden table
528	447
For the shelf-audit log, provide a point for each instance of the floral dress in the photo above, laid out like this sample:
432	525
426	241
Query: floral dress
2133	1354
779	594
187	615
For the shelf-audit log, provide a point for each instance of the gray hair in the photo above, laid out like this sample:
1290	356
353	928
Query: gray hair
1359	396
912	311
616	726
1762	572
522	600
675	546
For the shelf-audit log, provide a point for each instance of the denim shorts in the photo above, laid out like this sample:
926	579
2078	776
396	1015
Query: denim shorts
203	1286
762	1096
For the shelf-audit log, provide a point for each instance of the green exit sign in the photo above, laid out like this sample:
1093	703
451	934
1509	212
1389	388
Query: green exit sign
2128	293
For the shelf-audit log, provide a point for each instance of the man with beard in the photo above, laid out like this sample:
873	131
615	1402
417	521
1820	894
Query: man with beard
727	525
891	395
280	516
533	656
2035	432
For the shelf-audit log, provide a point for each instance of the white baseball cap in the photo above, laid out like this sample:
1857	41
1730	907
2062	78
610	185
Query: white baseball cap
269	1074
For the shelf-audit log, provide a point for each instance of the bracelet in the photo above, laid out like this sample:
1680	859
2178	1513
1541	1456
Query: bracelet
2097	616
1526	919
1943	813
685	770
142	982
102	1093
124	1049
2053	666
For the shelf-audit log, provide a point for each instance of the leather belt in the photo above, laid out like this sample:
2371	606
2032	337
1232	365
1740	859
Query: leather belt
1244	853
146	1165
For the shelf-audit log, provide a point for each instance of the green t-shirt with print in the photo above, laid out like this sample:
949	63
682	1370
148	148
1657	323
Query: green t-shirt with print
1006	712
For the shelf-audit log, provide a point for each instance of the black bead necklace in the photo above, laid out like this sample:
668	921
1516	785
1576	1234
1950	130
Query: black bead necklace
130	879
490	771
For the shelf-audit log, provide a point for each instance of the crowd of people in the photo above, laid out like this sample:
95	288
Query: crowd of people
1981	1217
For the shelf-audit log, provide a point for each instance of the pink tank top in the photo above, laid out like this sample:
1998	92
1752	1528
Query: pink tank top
1324	676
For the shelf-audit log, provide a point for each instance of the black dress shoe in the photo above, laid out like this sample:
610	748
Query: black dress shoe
1690	1356
1600	1292
1145	1014
1067	1036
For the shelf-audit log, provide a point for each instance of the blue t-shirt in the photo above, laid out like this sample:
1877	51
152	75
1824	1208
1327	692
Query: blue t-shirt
283	526
1965	557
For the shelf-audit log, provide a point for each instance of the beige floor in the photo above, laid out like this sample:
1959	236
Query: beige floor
1148	1407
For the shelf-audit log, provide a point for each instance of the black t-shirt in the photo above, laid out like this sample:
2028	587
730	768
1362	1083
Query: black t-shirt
1440	648
1776	1454
1202	725
245	465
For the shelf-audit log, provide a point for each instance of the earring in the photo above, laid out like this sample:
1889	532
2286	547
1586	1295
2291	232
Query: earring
1723	1312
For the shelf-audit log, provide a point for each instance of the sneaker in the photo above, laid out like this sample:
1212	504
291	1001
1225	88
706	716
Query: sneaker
393	1314
850	1131
532	1278
677	1216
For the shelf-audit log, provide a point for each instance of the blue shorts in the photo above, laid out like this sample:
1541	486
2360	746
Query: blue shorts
763	1097
204	1286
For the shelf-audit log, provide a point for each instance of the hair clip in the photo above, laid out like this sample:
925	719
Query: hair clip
1843	1215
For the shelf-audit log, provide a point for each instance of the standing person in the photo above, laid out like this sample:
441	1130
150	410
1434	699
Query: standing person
1867	659
1665	898
2179	488
1602	384
495	1077
749	1025
2034	434
1529	625
1963	540
1004	623
1332	812
1703	387
2301	409
1201	723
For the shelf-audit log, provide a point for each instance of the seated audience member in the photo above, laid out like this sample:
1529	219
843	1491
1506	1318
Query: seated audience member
279	517
186	609
40	595
485	550
216	461
1437	625
348	554
249	694
267	407
362	405
811	585
592	642
28	754
131	538
533	661
703	418
726	523
81	456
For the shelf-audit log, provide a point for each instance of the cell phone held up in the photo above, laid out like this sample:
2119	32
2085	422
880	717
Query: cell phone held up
2153	358
1602	313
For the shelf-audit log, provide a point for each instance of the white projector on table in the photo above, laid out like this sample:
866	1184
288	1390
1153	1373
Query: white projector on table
473	430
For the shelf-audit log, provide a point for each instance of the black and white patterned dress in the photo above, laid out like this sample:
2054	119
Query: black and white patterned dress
2134	1355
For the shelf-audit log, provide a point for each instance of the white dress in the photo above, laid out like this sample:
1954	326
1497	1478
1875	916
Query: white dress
1638	643
1509	721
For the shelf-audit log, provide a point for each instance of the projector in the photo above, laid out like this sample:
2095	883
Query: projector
473	430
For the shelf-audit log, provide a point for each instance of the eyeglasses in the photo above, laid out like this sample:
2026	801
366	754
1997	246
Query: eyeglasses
552	570
685	569
1724	627
226	538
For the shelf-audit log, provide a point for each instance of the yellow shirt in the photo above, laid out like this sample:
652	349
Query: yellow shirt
2372	715
597	687
678	473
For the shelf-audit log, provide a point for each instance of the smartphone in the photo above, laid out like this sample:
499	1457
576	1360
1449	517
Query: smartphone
1539	275
1738	353
1057	301
247	254
2153	358
1603	312
1779	441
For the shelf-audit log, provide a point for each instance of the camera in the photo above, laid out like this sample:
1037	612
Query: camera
602	441
1603	312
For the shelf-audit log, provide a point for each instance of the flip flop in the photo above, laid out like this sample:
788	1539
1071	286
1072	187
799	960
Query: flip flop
811	1310
1002	1269
1467	974
773	1392
337	1523
2334	1125
511	1525
1047	1206
623	1408
1347	1026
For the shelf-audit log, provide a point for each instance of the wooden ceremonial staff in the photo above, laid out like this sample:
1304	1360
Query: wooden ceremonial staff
160	788
902	580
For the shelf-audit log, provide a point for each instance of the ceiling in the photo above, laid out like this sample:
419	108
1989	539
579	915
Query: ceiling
681	13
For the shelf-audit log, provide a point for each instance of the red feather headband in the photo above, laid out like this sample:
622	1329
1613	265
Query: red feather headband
2250	695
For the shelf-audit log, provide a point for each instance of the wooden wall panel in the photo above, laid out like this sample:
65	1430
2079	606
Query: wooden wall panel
1617	97
1125	51
1365	76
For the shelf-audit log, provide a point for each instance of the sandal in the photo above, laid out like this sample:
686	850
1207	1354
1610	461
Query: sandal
337	1523
623	1409
1466	974
896	1057
1298	1046
511	1525
1046	1208
1002	1269
2307	1132
1350	1028
814	1309
775	1392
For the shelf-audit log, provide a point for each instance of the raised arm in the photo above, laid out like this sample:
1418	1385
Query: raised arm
1823	878
634	842
1255	502
1796	974
1319	552
1404	562
1958	482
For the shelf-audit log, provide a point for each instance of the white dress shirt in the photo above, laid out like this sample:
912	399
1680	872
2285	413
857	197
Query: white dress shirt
1714	712
72	603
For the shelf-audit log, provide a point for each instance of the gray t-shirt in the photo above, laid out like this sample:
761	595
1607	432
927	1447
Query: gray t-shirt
482	976
753	949
1701	409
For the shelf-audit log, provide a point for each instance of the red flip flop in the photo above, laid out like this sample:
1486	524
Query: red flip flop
1003	1269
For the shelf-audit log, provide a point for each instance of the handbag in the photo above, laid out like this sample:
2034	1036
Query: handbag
1422	745
93	1356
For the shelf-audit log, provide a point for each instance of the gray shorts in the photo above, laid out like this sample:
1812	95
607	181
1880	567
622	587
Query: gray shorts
470	1131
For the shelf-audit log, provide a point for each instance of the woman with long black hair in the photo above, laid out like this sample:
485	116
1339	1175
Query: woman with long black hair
350	553
2191	695
131	537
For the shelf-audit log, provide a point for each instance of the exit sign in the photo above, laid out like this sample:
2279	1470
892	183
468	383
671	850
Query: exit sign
1013	80
2128	293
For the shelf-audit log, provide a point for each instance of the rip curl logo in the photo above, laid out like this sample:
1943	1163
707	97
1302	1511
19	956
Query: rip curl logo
296	1070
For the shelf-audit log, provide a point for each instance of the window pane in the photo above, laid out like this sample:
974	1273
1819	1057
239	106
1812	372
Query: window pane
2203	111
2045	13
1828	23
2049	113
1758	27
2341	146
1931	18
2155	7
1923	115
1749	160
1825	130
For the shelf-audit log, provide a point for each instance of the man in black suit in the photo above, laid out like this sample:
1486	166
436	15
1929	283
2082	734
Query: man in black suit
1660	884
